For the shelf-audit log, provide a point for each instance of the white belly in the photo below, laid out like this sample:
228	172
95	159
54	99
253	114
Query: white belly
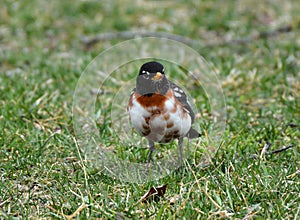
170	124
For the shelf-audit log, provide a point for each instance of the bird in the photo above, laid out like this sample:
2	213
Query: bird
159	110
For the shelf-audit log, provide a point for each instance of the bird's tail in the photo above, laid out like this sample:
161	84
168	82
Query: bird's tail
193	134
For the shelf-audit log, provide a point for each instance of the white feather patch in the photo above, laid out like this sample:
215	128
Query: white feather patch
178	95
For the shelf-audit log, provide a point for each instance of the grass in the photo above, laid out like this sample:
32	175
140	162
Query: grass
43	174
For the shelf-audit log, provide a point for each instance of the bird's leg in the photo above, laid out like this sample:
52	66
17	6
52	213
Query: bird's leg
180	143
151	149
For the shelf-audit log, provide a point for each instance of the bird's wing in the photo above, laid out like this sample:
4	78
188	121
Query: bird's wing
132	92
183	99
130	99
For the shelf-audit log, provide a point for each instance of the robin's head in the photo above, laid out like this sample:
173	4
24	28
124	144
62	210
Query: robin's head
152	70
152	79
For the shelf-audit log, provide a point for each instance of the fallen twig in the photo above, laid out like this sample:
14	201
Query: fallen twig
89	41
266	148
259	36
284	148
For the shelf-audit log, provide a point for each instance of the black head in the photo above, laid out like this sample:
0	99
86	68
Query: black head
151	79
151	67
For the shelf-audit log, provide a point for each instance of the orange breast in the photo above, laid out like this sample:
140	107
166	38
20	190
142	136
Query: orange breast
154	100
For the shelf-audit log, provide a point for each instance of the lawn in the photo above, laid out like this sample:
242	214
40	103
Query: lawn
251	47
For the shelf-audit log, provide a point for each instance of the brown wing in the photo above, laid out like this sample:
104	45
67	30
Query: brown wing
130	99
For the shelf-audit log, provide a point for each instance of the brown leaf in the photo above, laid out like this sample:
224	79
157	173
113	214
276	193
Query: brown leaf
154	193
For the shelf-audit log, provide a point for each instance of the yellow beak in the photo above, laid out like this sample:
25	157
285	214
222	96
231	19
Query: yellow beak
157	76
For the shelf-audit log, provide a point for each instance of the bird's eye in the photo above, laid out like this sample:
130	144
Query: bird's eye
145	72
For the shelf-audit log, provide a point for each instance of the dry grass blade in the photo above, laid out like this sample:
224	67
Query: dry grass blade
265	150
73	215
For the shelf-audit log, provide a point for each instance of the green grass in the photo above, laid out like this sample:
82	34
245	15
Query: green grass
44	175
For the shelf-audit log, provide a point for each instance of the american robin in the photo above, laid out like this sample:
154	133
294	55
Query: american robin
159	109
